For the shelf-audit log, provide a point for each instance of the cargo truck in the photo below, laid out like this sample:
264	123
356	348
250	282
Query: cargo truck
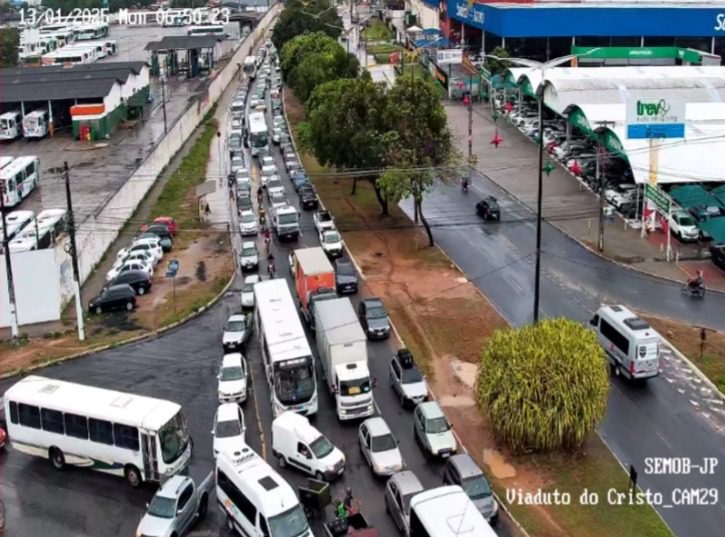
342	349
312	271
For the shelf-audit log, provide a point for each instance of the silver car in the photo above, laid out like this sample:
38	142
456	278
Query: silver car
406	379
175	507
379	447
399	489
462	470
433	431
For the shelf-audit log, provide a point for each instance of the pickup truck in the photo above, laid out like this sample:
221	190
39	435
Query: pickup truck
323	220
176	507
354	525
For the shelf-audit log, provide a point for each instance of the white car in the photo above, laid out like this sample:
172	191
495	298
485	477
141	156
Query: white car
683	226
155	251
137	255
331	243
154	246
275	92
323	220
269	171
278	121
379	447
274	187
237	164
232	387
267	161
229	430
248	224
248	290
131	265
621	194
249	257
277	200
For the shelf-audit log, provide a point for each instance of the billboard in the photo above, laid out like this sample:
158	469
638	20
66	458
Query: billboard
655	118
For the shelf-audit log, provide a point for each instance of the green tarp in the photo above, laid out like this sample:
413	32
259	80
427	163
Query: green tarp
692	196
715	227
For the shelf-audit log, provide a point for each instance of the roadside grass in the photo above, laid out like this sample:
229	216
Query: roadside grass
687	340
377	30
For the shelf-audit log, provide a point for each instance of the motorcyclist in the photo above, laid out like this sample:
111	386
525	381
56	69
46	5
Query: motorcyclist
271	269
464	183
696	282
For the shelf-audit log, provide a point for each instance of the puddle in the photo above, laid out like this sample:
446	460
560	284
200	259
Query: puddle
453	401
498	465
465	372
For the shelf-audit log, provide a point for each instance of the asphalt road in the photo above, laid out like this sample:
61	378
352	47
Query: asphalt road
181	365
673	415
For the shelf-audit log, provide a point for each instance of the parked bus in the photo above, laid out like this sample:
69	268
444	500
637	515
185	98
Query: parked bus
64	36
103	48
211	29
11	125
257	134
35	124
41	232
89	32
54	28
4	161
288	362
70	55
250	67
18	179
140	438
16	222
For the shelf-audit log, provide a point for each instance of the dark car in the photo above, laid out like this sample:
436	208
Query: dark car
488	208
374	318
166	244
244	203
138	279
345	277
115	297
718	255
308	198
163	232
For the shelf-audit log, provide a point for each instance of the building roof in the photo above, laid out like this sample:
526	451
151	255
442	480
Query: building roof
53	90
186	42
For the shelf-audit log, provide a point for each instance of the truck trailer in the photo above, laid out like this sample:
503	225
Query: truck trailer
312	271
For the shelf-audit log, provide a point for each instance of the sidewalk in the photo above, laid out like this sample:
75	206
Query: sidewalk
567	204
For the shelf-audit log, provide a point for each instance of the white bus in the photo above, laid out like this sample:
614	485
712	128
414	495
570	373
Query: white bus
446	512
286	355
41	232
141	438
71	55
16	221
35	123
104	47
89	32
18	179
255	499
258	134
211	29
11	125
250	67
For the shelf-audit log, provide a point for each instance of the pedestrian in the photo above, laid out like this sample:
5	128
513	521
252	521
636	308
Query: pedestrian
348	501
207	210
259	196
340	510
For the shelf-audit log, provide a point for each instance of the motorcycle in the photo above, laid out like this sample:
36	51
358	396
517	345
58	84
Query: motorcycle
693	291
464	185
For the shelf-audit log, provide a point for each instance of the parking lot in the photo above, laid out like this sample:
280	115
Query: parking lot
181	365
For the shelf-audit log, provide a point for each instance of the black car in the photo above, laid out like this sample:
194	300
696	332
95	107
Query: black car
345	277
115	297
138	279
244	203
374	318
308	198
162	232
718	255
488	208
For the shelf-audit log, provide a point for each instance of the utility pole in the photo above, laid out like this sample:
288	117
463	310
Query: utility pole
74	254
163	98
9	273
539	198
600	182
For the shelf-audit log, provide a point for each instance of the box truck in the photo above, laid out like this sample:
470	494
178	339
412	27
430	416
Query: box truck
314	276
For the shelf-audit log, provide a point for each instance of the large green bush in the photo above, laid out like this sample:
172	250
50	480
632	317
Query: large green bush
543	387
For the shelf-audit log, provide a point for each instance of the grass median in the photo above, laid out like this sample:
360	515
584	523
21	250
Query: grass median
444	321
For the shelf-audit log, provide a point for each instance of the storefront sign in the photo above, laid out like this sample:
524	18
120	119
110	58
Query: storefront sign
448	56
659	198
655	118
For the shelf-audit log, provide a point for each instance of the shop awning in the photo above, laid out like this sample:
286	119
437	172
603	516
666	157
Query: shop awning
715	227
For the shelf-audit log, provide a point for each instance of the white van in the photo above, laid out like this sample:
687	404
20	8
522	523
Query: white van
632	346
446	512
299	444
255	500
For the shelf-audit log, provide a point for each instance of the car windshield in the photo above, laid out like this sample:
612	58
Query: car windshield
354	387
174	438
248	287
232	373
437	425
249	252
384	442
376	312
248	218
685	220
332	237
274	184
321	447
412	375
162	507
288	218
292	523
226	429
345	269
477	487
235	326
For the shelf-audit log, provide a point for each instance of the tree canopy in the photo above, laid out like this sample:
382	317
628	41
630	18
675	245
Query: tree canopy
9	41
543	387
301	17
497	67
313	59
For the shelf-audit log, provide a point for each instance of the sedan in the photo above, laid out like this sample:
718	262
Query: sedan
345	277
379	447
374	318
248	224
249	258
117	270
137	279
236	332
488	209
308	198
115	297
248	291
229	430
406	379
399	490
331	242
433	431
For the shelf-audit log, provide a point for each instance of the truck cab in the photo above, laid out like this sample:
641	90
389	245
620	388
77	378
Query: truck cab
285	221
353	391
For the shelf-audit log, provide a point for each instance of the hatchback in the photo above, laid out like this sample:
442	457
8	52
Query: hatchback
137	279
229	430
432	430
236	332
232	377
399	490
248	290
249	258
114	297
248	224
374	318
345	277
379	447
463	471
488	208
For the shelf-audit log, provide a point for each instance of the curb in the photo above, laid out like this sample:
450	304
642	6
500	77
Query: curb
150	335
696	369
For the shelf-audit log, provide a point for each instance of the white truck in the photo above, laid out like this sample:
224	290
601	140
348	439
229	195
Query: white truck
285	221
342	348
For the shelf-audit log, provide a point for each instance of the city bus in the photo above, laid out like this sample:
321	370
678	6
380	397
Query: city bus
138	437
41	232
35	123
258	134
16	222
11	125
250	67
70	55
18	179
211	29
288	362
103	48
89	32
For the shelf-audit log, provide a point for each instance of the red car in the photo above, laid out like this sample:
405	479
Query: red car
3	437
168	221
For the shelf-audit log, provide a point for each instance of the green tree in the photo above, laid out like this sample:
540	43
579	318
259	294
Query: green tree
9	41
313	59
497	67
421	147
347	127
300	17
543	387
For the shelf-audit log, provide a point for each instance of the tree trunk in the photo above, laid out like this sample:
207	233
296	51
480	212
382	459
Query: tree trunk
354	186
381	200
423	219
416	211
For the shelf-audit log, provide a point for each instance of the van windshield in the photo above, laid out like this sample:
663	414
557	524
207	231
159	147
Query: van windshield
321	447
292	523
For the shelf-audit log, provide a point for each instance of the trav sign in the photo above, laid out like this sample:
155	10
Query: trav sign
659	198
451	55
655	118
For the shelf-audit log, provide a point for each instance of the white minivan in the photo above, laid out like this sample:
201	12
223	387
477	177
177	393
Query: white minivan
256	500
632	346
297	443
